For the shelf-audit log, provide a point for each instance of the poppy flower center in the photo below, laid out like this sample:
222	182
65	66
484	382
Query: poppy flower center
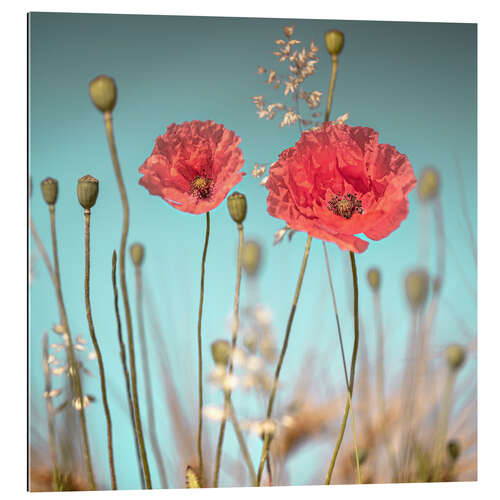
201	187
345	205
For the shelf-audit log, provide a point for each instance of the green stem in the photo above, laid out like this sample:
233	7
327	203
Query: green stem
97	349
200	363
352	371
147	381
73	367
330	281
331	87
265	447
50	414
123	357
236	324
123	282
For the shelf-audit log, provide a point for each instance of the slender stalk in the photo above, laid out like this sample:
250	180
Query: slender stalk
123	282
123	357
241	441
330	281
200	363
50	414
236	324
147	380
73	366
97	349
331	87
380	382
352	370
265	446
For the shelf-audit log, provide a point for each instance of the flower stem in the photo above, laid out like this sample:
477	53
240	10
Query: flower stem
241	441
50	414
73	367
265	447
42	250
97	349
236	324
352	371
123	282
330	281
123	357
331	87
200	363
147	380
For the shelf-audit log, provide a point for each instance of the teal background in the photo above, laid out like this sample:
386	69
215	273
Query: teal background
415	83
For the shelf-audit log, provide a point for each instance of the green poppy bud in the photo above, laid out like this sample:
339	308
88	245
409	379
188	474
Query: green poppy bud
334	40
428	185
87	190
455	356
417	288
137	253
251	257
103	93
221	350
50	189
237	205
373	277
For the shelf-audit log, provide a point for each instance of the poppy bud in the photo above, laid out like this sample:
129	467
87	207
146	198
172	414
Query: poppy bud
103	93
334	40
221	350
237	205
428	185
87	190
373	277
50	190
137	253
453	449
455	356
417	288
251	257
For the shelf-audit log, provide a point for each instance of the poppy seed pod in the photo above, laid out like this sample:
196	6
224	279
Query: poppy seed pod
417	288
50	189
373	277
87	190
334	40
237	205
428	185
453	449
221	350
137	253
103	93
455	356
252	254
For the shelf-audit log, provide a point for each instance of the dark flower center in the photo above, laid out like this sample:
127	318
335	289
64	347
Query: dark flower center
201	187
345	205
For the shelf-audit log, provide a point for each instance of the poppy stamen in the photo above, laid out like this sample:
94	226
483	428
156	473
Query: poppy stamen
201	187
345	205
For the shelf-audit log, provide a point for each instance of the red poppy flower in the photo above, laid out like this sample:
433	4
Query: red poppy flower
338	181
193	166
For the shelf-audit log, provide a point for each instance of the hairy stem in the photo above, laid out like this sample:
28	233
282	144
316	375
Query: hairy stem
200	363
265	447
123	357
331	87
330	281
236	324
97	349
73	366
123	282
352	371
